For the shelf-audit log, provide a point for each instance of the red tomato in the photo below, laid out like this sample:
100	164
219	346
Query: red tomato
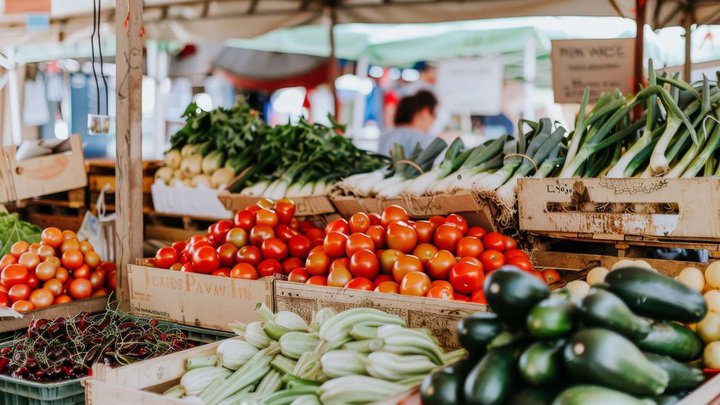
364	263
316	236
510	243
266	217
223	272
466	278
82	272
477	231
389	287
492	260
97	279
238	237
19	247
443	284
197	238
400	236
461	297
334	243
551	276
512	253
23	306
14	274
41	298
166	257
359	222
338	225
176	267
188	267
33	282
4	299
52	237
29	260
55	286
284	232
436	221
459	221
342	263
360	283
440	292
393	213
521	263
381	278
299	246
80	288
219	231
92	259
425	231
205	260
244	270
19	292
404	265
469	247
226	252
72	259
303	226
424	252
317	280
274	248
62	274
317	262
110	279
440	264
375	218
537	275
339	274
388	258
415	283
249	254
63	299
269	267
447	236
299	275
285	210
179	247
478	297
244	219
7	260
377	234
495	241
471	260
358	241
290	264
259	233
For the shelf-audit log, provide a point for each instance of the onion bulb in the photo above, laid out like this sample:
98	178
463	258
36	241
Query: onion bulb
712	298
711	355
200	179
222	177
709	327
191	165
164	174
597	275
173	158
693	278
712	275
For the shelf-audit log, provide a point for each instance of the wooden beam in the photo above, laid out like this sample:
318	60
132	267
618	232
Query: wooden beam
640	15
128	172
687	24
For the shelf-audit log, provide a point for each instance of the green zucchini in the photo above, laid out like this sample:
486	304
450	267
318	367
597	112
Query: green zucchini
532	396
445	386
603	309
672	339
491	380
603	357
683	377
541	363
477	330
596	395
512	293
669	399
654	295
551	318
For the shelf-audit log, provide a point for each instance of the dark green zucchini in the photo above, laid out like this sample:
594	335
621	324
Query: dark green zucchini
477	330
654	295
445	386
603	357
511	293
672	339
551	318
597	395
541	363
682	376
532	396
669	399
491	381
603	309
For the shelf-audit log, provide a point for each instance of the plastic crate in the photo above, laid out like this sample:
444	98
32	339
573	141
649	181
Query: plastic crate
15	391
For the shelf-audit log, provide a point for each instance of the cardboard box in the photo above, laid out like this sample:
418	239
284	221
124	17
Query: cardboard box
437	315
304	206
195	299
41	175
183	200
688	208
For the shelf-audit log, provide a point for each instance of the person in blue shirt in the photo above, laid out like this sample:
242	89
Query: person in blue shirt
414	118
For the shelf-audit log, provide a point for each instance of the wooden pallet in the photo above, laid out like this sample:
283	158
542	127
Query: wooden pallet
58	215
171	228
101	173
70	199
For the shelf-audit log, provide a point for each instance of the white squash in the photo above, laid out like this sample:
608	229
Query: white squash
712	298
578	289
709	328
597	275
693	278
712	275
711	355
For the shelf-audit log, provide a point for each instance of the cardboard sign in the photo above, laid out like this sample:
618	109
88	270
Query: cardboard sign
602	64
27	6
471	86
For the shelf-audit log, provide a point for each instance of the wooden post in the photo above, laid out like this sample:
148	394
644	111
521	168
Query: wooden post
639	43
332	14
687	24
128	121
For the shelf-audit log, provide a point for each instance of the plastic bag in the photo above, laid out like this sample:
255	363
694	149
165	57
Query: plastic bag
100	230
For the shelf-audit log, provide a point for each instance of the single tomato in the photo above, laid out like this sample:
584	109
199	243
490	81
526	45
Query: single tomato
70	244
477	232
359	222
111	279
447	236
334	243
32	281
45	271
425	231
249	254
179	247
389	287
41	298
299	246
439	266
92	259
360	283
460	297
22	306
521	263
339	225
424	252
339	276
269	267
245	220
19	247
393	213
19	292
299	275
80	288
342	262
290	264
274	248
226	253
244	270
205	260
284	232
440	292
29	260
166	257
62	274
377	234
358	241
459	221
218	234
7	260
388	258
266	217
469	246
364	263
97	279
466	278
317	262
72	259
478	297
317	280
52	237
85	247
551	276
415	283
55	286
400	236
238	237
259	233
285	210
442	284
404	265
265	203
4	299
14	274
510	243
316	236
495	241
512	253
375	218
436	221
381	278
492	260
63	299
176	266
67	234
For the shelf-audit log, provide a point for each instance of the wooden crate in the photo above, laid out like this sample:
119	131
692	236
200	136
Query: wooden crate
70	199
690	208
101	173
437	315
90	305
195	299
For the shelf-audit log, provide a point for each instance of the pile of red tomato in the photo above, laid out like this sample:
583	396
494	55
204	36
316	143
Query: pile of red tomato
57	270
262	240
440	258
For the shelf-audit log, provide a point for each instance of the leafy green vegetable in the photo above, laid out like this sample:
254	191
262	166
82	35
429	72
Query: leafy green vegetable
13	229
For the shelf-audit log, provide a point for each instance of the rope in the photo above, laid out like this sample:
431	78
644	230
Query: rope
522	156
410	163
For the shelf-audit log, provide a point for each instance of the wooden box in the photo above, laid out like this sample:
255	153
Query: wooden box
89	305
41	175
655	209
304	206
437	315
195	299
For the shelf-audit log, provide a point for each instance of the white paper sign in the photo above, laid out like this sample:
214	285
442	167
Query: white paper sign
602	64
470	86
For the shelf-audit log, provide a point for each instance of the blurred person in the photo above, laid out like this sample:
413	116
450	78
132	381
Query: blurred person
414	117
